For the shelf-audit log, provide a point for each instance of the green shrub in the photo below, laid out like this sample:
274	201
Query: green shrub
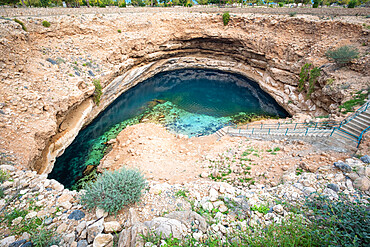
46	24
303	76
344	222
119	31
314	74
262	209
21	23
226	18
342	55
2	194
281	4
122	5
352	4
292	14
3	176
316	3
359	98
112	191
98	92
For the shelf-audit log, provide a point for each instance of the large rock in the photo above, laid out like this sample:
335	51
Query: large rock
342	166
112	226
362	183
167	227
7	241
103	240
94	230
76	215
130	237
365	159
189	219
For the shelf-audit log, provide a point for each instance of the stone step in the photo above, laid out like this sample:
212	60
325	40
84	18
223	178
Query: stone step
363	118
360	123
350	130
355	125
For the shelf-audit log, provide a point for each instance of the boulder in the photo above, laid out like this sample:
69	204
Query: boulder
342	166
94	229
7	241
167	227
365	159
103	240
17	243
112	226
362	183
76	215
189	219
130	237
82	243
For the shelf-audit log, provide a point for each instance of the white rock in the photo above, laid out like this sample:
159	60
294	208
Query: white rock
100	213
278	209
213	195
207	206
197	235
6	241
112	226
103	240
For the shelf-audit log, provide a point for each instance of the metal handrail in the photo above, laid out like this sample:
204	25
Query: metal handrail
361	135
355	114
296	125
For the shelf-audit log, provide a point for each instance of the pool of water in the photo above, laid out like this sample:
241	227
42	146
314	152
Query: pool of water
190	102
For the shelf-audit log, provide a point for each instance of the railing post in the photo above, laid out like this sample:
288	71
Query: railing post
278	126
239	130
306	132
261	126
252	131
269	130
286	132
332	132
316	125
295	126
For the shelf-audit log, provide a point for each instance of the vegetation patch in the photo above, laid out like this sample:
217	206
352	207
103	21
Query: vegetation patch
98	92
308	75
46	24
113	190
359	98
342	55
21	23
226	18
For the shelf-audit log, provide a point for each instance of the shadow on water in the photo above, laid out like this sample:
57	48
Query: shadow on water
192	102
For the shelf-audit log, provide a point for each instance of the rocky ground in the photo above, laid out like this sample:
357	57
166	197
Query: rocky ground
247	183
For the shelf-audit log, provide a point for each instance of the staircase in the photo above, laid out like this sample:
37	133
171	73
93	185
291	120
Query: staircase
350	131
358	123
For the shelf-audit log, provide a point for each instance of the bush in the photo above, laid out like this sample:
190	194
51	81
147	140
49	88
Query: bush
345	223
352	4
119	31
342	55
46	24
122	5
281	4
292	14
226	18
112	191
303	76
98	92
314	74
21	23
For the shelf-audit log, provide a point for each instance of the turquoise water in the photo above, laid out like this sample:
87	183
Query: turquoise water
190	102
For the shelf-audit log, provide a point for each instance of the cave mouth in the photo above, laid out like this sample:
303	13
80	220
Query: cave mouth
192	102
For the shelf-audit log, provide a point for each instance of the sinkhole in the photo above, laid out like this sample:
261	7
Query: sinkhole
192	102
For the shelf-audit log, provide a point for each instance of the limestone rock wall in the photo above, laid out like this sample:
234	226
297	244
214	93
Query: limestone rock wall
46	73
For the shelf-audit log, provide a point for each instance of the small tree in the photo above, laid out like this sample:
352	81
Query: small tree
342	55
226	18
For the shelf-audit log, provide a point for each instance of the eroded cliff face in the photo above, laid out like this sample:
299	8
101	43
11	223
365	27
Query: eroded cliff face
46	73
